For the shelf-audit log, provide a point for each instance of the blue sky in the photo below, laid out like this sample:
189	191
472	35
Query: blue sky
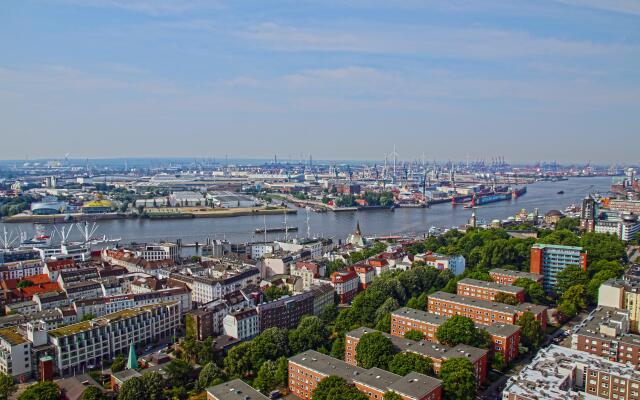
528	80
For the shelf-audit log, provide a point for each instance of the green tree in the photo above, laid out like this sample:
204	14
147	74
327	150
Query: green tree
414	335
384	324
533	291
41	391
88	317
153	385
386	308
404	363
338	348
598	279
118	363
272	375
458	330
392	396
311	333
275	292
572	275
269	345
573	301
329	314
603	246
7	386
178	372
92	393
336	388
506	298
238	363
374	350
571	224
498	362
458	379
531	332
418	302
210	373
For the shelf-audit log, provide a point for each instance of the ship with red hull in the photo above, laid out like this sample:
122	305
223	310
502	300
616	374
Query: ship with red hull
493	197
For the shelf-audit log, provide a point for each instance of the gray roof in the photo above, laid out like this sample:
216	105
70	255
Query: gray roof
518	274
415	385
498	329
491	285
235	390
419	315
489	305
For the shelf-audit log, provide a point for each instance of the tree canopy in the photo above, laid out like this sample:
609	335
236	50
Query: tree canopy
458	379
41	391
460	330
92	393
571	275
404	363
133	389
374	350
7	386
531	333
414	335
336	388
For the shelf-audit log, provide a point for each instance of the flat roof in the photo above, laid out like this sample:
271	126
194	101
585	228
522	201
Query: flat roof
12	336
491	285
490	305
556	246
415	385
419	315
519	274
235	390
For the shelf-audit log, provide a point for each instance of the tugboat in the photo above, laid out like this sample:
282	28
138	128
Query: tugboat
561	192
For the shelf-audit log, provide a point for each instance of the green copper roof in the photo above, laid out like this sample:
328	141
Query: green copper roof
132	362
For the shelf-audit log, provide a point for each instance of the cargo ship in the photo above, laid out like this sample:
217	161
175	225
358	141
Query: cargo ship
494	197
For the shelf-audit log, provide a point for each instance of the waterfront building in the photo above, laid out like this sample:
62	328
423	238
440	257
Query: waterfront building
307	369
158	252
89	343
488	290
625	206
97	207
548	260
346	285
509	276
558	373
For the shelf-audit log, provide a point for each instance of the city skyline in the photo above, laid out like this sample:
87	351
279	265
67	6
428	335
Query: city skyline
550	80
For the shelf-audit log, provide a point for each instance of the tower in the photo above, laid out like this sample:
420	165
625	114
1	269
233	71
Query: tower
132	362
588	214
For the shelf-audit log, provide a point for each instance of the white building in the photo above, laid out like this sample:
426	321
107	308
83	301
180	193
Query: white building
90	343
158	252
455	264
187	199
242	324
231	200
206	289
15	354
260	249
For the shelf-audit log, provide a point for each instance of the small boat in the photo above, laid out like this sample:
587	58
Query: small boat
561	192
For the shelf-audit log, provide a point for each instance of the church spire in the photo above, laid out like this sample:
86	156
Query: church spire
132	362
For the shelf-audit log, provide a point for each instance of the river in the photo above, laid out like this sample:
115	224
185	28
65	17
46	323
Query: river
541	195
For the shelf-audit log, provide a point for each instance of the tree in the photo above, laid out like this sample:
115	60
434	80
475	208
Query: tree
153	385
338	348
311	333
275	292
571	275
414	335
237	363
178	372
336	388
418	302
269	345
386	308
404	363
384	324
272	375
208	375
374	350
392	396
598	279
533	291
506	298
573	301
458	379
41	391
531	332
603	246
92	393
7	386
498	362
118	363
458	330
329	313
571	224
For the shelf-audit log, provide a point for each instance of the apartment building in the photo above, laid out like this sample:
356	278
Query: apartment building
508	276
483	312
548	260
605	333
323	296
234	390
307	369
285	312
346	285
15	354
624	294
242	325
438	353
455	264
158	252
89	343
207	289
20	269
558	373
505	339
483	290
365	273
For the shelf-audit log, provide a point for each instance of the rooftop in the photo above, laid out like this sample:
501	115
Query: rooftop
419	315
235	390
556	246
491	285
489	305
519	274
12	336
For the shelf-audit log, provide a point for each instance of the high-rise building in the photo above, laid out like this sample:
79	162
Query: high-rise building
588	214
548	260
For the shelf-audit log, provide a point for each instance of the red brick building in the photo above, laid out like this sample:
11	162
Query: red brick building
488	290
483	312
505	339
365	273
508	276
307	369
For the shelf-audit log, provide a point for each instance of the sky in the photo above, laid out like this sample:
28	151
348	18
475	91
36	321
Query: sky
527	80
